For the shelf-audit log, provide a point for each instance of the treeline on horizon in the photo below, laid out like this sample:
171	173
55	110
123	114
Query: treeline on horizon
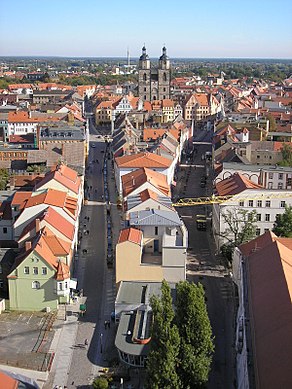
99	72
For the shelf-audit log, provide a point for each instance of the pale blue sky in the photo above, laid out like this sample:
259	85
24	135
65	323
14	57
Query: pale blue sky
189	28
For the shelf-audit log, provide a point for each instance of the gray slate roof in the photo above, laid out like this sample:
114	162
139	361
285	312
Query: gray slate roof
155	217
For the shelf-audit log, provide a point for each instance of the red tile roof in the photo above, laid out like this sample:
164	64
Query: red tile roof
55	198
235	184
65	176
269	278
135	179
20	198
26	138
52	218
130	235
7	382
141	160
63	272
57	245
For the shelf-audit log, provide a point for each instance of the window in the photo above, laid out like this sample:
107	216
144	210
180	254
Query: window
268	204
241	203
44	271
1	284
1	270
259	217
26	270
282	204
259	203
35	285
266	230
289	181
258	157
66	285
144	77
145	89
35	270
4	230
267	218
250	203
280	176
270	176
258	231
156	231
60	285
164	77
270	185
280	185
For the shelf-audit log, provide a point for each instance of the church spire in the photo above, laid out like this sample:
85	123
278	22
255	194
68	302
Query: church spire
144	53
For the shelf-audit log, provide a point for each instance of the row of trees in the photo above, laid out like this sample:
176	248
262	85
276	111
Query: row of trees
182	342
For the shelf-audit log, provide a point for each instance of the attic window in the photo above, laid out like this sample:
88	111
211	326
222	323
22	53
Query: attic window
35	285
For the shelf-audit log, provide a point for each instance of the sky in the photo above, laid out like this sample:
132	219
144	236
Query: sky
188	28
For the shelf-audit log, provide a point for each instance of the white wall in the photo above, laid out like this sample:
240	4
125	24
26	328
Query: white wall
276	207
21	128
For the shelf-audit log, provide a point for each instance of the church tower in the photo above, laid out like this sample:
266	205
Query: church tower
154	84
164	76
144	76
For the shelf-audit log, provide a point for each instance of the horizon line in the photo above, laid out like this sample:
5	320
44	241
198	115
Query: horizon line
114	57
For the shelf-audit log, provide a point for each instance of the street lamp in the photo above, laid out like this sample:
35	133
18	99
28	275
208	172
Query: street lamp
100	336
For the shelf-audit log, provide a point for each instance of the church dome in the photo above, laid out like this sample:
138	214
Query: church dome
144	55
164	56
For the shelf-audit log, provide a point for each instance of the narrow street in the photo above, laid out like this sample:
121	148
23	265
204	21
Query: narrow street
82	362
203	266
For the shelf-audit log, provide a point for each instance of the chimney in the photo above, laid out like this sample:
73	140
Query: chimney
37	226
70	118
27	246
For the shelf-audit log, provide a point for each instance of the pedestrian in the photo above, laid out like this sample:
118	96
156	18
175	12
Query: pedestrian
109	324
86	342
105	324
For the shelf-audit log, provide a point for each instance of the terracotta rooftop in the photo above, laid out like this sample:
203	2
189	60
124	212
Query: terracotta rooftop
130	235
55	198
20	198
57	245
269	273
235	184
135	179
63	272
141	160
65	176
8	382
26	138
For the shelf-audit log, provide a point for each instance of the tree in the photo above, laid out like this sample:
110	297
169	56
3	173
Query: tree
286	151
283	223
100	383
272	123
4	178
195	331
163	357
181	342
241	228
